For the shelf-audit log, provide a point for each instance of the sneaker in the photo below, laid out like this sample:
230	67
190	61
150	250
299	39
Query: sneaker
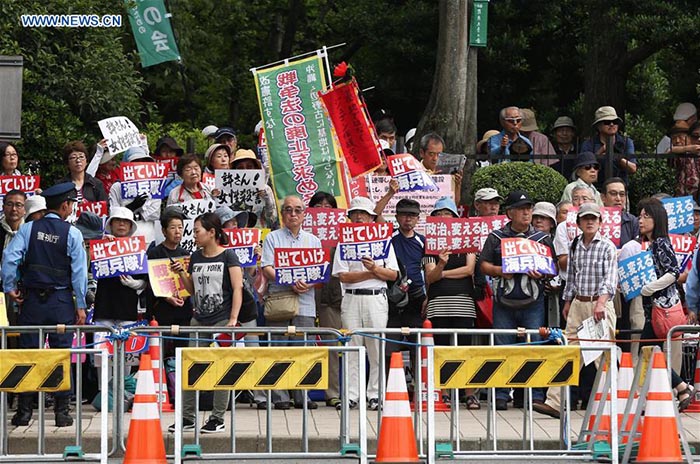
187	425
261	404
213	425
373	404
351	405
282	405
332	402
309	405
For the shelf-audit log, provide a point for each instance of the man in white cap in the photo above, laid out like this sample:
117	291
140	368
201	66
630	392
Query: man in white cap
487	202
365	304
591	280
685	112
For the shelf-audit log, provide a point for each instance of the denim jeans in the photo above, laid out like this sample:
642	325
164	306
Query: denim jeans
532	317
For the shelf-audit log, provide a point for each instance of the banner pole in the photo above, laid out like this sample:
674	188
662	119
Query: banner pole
324	54
294	57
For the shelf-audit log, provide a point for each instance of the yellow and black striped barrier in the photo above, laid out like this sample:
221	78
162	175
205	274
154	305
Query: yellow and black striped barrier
23	371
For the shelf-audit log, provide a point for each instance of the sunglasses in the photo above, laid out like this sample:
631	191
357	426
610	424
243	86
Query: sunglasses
609	123
514	120
588	167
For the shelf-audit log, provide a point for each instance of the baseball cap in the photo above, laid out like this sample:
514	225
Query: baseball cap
588	209
486	194
518	198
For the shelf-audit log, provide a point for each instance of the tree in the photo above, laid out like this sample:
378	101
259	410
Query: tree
451	109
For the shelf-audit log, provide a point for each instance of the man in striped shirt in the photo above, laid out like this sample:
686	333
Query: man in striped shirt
591	280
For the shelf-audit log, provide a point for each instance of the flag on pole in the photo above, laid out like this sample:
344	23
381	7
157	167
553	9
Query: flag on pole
153	34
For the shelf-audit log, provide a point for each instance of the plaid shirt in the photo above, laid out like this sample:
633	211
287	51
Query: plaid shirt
593	270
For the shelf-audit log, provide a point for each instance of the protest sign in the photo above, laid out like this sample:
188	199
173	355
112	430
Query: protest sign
3	312
365	240
459	235
492	223
358	187
239	187
356	136
209	181
520	255
164	281
611	223
409	173
310	265
683	246
120	132
300	143
143	178
450	163
243	242
27	184
99	208
120	256
324	224
572	230
634	273
194	208
187	241
680	214
172	166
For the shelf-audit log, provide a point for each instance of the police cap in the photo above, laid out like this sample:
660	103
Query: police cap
57	194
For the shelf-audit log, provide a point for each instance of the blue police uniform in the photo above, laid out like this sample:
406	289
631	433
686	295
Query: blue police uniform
48	258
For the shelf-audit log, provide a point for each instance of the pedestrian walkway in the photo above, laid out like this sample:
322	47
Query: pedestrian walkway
323	431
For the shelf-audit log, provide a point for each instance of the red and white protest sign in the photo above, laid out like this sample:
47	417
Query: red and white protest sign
143	178
27	184
209	181
365	240
459	235
409	173
610	226
120	256
99	208
683	246
323	223
520	255
310	265
492	223
243	242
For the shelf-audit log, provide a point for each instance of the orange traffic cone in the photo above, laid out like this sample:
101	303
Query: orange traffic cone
604	425
695	404
145	443
437	393
397	442
159	376
660	441
625	395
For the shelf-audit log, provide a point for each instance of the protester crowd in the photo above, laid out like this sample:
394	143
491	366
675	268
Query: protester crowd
452	290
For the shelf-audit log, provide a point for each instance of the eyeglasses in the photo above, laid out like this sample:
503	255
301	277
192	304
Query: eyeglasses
588	167
290	210
77	158
12	205
609	123
514	120
617	194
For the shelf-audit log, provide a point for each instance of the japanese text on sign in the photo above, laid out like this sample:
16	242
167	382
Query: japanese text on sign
521	255
239	187
680	214
143	178
120	133
309	265
458	235
324	224
96	207
243	243
409	173
634	273
164	281
492	223
121	256
610	225
683	246
365	240
27	184
194	208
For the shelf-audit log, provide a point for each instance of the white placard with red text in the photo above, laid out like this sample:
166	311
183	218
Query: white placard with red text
309	265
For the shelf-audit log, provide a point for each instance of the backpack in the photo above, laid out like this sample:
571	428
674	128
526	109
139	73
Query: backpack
521	291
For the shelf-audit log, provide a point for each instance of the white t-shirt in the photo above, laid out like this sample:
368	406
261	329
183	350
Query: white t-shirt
341	265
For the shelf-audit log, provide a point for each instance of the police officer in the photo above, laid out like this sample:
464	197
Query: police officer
49	256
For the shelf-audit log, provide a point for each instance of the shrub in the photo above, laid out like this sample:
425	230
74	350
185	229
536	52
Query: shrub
541	182
652	176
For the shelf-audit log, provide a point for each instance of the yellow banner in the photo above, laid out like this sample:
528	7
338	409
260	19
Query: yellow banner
165	282
34	370
280	368
506	366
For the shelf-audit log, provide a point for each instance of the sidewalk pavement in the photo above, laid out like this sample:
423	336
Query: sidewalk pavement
323	431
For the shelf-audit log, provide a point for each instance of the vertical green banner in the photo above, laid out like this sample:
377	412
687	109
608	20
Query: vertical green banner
153	34
478	27
300	144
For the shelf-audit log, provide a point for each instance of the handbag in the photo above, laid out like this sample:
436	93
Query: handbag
662	319
484	309
281	306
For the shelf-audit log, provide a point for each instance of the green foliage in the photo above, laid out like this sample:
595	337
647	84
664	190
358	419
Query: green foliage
541	182
181	132
652	176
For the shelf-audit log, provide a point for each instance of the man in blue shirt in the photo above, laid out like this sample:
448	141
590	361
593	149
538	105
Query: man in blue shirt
54	268
511	119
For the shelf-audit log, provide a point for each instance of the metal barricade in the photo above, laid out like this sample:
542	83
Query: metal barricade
22	371
677	343
240	364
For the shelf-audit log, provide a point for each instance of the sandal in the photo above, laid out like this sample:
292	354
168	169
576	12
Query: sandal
685	402
473	402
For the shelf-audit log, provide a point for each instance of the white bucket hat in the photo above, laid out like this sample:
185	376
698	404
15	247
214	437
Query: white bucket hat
120	212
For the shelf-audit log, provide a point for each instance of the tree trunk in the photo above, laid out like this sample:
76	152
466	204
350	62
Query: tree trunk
451	109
